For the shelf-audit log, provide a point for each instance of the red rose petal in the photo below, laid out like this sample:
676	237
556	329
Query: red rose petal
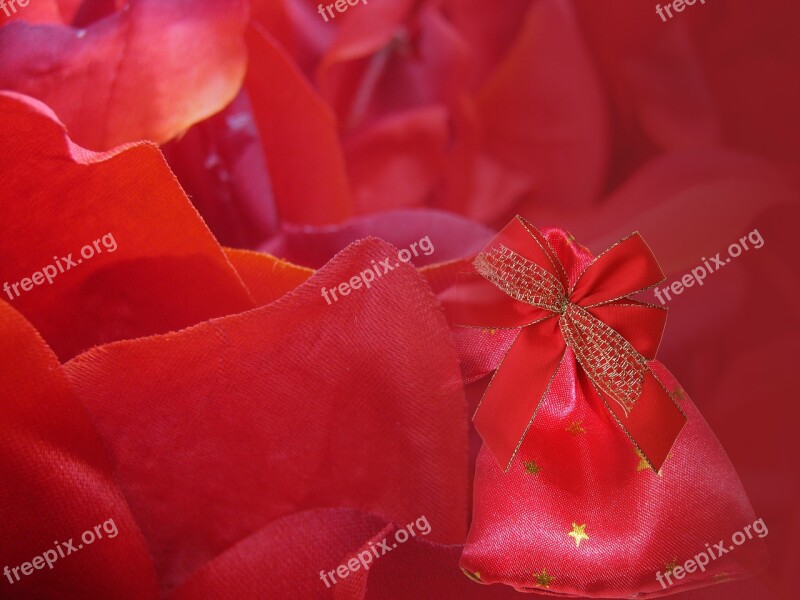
57	484
125	78
450	236
293	406
286	558
36	11
166	271
266	277
300	138
543	110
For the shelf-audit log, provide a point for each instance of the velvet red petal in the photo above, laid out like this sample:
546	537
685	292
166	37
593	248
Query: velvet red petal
43	11
451	237
286	558
656	84
163	270
491	32
288	407
266	277
308	176
543	111
398	162
125	78
58	483
220	164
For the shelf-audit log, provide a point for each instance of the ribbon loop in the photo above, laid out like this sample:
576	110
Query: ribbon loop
520	278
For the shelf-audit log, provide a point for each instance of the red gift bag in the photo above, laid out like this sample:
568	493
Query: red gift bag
598	476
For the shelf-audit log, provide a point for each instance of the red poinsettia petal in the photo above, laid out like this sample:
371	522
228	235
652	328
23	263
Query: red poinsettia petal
107	245
125	78
300	138
543	112
293	406
58	484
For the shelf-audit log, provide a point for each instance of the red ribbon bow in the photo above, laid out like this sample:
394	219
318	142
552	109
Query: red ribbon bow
611	336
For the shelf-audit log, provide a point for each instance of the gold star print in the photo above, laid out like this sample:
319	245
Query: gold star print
476	576
724	576
643	464
490	330
578	533
570	238
670	566
532	468
543	579
576	427
679	394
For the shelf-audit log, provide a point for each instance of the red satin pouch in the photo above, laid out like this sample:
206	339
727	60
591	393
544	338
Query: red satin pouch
578	508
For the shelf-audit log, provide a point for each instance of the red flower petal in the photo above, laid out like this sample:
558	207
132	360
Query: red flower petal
41	11
220	163
543	111
299	134
393	60
289	407
654	77
286	558
398	162
163	270
57	484
266	277
451	237
125	78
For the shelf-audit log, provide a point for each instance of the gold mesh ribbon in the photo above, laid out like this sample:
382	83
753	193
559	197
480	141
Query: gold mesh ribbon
609	360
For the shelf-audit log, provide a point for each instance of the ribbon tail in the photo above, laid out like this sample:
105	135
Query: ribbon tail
517	388
654	422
